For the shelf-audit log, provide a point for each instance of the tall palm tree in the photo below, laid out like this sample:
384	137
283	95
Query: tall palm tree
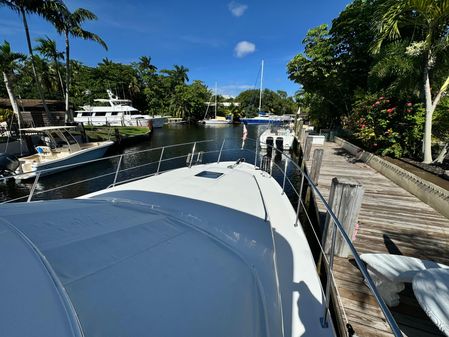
180	73
47	48
69	24
8	63
146	65
24	7
429	21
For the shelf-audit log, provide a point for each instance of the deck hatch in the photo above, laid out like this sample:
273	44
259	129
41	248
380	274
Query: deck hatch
209	174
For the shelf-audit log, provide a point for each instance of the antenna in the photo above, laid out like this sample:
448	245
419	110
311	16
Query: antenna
261	85
215	100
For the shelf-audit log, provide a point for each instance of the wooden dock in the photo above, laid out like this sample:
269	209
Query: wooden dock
393	221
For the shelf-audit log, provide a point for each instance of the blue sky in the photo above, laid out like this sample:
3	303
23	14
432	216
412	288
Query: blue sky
219	41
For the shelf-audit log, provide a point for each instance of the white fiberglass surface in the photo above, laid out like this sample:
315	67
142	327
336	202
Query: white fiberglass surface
181	255
132	269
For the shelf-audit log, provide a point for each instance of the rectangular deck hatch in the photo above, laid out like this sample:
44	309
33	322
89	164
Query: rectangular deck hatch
209	174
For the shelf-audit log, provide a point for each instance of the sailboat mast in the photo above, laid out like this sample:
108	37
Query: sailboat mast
215	100
261	85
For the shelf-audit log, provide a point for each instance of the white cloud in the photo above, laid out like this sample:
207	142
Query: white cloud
237	9
244	48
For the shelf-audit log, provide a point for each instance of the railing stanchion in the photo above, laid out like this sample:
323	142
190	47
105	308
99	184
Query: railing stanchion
255	156
160	159
193	153
298	209
118	170
330	267
221	150
285	175
33	188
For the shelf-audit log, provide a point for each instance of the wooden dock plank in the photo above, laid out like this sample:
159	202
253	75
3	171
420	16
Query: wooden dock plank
391	221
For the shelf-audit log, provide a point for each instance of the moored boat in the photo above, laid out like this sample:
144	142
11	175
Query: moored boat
117	112
279	137
59	150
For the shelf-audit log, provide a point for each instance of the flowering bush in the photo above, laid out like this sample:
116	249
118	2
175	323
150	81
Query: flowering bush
388	126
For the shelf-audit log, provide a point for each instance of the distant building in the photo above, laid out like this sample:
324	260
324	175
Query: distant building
225	104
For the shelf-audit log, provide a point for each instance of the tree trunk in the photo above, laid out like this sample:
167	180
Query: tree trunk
442	154
69	117
33	65
427	139
61	82
12	97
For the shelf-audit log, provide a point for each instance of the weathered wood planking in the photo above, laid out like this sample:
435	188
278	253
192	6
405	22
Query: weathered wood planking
393	221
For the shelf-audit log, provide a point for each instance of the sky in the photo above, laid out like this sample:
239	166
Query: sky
219	41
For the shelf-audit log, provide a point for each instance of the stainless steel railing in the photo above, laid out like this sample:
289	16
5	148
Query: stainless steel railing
300	209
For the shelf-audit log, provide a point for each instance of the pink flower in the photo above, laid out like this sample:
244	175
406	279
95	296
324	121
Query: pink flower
377	103
409	110
390	110
362	126
409	104
381	97
387	101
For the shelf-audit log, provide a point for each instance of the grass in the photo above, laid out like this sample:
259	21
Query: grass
108	132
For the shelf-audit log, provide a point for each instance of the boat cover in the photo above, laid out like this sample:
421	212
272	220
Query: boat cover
122	267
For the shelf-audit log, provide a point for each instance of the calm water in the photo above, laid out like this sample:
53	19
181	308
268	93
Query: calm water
136	163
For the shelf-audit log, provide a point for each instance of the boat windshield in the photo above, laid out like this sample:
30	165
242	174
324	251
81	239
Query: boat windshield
69	137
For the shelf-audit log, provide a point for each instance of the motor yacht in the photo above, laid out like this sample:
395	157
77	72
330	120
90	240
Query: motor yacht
117	112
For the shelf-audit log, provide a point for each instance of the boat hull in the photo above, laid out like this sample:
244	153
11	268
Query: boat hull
157	122
263	121
77	159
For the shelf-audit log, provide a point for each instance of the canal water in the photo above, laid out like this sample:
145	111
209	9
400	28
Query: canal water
143	159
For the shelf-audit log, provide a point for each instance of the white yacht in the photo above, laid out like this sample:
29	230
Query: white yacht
59	148
211	249
280	138
117	112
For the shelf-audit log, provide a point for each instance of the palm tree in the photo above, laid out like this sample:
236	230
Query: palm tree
145	64
180	73
47	48
8	63
69	24
23	7
428	20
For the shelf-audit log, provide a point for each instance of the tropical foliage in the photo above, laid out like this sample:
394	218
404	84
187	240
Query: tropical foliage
50	73
392	48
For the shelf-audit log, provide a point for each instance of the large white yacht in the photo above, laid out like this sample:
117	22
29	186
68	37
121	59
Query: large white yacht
118	112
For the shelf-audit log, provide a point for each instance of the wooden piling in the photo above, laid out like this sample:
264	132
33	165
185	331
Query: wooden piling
307	147
316	165
345	200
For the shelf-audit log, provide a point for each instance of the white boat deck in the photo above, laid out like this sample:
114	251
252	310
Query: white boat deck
171	255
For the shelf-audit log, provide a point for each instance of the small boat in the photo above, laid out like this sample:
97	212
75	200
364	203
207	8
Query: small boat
268	118
175	120
217	120
59	148
280	138
118	112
